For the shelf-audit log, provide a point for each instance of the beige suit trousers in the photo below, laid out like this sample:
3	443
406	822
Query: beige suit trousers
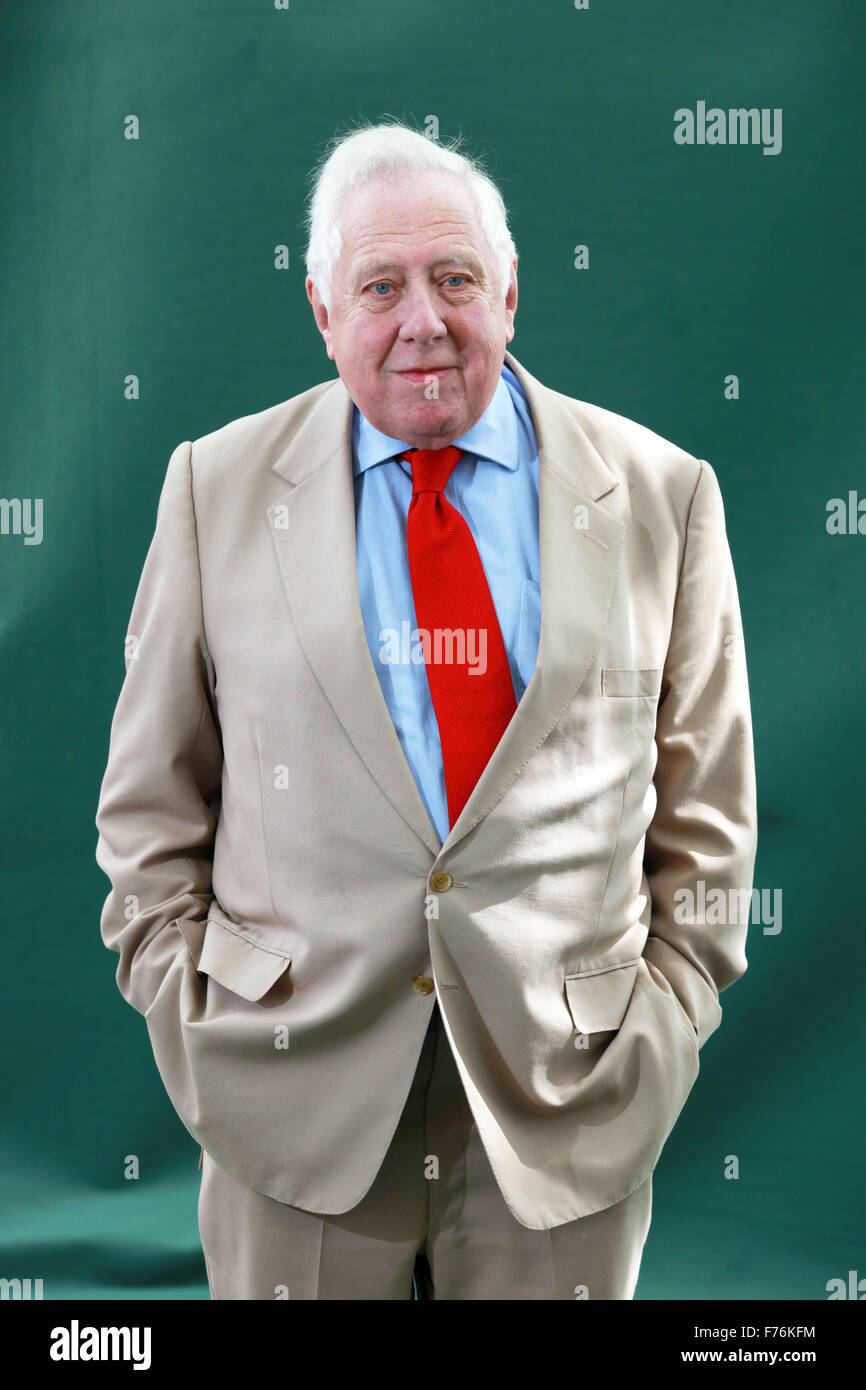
434	1210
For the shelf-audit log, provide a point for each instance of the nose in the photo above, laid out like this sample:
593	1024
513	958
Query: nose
421	321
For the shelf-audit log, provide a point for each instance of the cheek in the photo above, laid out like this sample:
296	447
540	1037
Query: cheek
361	354
372	344
360	330
480	330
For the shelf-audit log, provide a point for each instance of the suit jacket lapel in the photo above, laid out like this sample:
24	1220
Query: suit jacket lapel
313	529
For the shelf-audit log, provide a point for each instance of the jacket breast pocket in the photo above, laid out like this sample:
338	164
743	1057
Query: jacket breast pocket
627	682
231	958
599	997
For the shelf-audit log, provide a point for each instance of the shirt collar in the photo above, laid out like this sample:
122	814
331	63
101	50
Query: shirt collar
493	436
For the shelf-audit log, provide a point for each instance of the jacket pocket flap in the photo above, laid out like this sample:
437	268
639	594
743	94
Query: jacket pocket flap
619	680
598	998
241	965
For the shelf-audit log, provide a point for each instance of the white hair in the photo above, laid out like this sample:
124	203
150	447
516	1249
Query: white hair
389	150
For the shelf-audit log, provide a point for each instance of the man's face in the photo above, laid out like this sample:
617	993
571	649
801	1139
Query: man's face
416	328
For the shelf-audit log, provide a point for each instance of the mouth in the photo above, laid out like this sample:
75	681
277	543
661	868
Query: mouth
423	374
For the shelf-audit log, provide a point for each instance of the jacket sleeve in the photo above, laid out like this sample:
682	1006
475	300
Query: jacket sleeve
156	818
701	844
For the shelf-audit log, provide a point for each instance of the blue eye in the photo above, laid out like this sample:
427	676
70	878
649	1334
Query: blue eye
381	282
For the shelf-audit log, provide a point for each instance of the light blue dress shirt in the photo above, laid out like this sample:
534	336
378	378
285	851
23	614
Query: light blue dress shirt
495	488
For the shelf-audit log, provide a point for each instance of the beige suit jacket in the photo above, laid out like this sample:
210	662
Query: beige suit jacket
271	860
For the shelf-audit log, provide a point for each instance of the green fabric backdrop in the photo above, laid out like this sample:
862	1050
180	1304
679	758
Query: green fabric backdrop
155	257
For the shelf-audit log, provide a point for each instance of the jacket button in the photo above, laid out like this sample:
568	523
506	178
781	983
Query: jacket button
422	984
440	882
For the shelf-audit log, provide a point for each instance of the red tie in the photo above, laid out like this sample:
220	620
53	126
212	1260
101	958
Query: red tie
473	702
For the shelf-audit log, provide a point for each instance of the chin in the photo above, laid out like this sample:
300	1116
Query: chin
422	422
431	430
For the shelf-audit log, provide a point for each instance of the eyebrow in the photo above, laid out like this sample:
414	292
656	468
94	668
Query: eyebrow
371	268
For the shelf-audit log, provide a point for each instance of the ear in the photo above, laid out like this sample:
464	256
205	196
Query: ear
320	314
511	303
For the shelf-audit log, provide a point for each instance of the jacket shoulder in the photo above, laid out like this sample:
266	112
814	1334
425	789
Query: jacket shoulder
265	432
637	454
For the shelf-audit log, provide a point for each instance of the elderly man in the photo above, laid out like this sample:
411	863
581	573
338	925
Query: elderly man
433	747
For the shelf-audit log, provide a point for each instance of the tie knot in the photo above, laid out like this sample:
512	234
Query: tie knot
431	468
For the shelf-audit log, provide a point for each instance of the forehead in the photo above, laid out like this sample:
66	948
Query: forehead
420	220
